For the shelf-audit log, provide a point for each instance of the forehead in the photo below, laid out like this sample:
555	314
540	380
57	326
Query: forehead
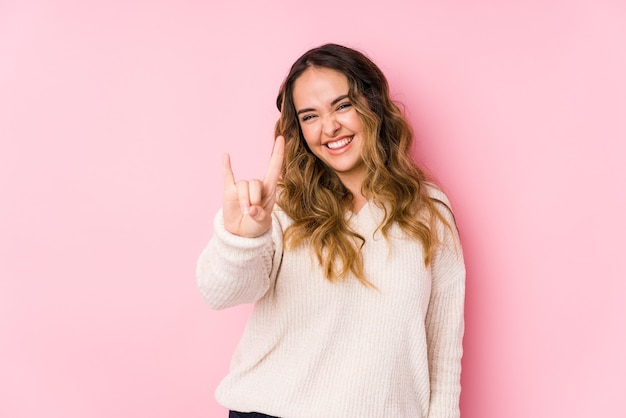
318	86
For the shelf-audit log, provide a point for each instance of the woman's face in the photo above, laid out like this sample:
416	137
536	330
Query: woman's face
332	128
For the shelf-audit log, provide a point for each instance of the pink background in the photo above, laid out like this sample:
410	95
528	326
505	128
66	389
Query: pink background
113	119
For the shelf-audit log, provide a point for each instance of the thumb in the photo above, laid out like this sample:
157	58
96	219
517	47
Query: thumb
257	213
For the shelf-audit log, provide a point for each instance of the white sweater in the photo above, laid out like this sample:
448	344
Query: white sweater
316	349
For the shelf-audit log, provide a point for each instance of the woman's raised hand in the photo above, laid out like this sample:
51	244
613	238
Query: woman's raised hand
248	204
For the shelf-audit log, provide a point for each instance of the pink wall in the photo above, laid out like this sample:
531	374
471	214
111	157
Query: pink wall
113	119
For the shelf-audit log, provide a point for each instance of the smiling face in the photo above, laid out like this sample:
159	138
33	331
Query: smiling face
331	126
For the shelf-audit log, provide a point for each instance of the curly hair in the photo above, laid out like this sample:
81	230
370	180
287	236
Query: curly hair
314	197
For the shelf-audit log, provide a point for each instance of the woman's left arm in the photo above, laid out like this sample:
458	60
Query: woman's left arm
445	322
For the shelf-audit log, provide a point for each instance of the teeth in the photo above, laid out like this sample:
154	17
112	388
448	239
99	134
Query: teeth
340	143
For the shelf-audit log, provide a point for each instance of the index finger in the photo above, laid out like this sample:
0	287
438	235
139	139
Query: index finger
227	171
276	162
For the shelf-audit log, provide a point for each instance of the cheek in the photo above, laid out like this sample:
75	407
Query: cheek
352	121
311	136
312	141
357	123
314	146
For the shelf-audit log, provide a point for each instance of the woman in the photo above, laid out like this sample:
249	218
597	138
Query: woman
351	257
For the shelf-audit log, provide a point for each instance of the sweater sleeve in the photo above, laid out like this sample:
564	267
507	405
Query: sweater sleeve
233	270
444	320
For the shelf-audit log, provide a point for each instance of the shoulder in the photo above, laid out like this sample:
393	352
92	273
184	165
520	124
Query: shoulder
437	195
280	216
443	207
278	211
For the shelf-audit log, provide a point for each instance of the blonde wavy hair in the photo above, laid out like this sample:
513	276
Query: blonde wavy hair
314	197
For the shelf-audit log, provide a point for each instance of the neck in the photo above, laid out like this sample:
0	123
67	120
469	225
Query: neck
353	184
358	202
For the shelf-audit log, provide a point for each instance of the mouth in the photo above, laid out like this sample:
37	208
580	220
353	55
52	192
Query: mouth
339	143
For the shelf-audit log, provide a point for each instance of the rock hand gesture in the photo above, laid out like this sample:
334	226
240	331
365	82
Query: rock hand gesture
248	204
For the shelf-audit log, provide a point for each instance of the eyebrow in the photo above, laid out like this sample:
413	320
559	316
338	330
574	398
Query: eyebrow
334	102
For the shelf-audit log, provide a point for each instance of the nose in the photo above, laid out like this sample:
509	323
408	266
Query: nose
330	125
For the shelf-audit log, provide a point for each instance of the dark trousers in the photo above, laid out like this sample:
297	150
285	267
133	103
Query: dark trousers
235	414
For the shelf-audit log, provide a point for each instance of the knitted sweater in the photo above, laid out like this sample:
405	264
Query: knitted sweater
316	349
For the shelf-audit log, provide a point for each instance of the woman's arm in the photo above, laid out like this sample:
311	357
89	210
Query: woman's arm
444	321
236	266
233	270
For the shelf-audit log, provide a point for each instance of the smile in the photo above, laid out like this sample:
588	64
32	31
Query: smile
340	143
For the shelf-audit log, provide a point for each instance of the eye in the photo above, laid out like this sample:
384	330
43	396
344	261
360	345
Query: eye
307	117
344	105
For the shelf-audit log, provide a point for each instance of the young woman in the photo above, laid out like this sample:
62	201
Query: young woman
351	257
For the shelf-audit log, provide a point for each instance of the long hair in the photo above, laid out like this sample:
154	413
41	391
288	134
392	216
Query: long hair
314	197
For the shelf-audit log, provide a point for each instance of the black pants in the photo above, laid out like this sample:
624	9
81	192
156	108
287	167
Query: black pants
235	414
